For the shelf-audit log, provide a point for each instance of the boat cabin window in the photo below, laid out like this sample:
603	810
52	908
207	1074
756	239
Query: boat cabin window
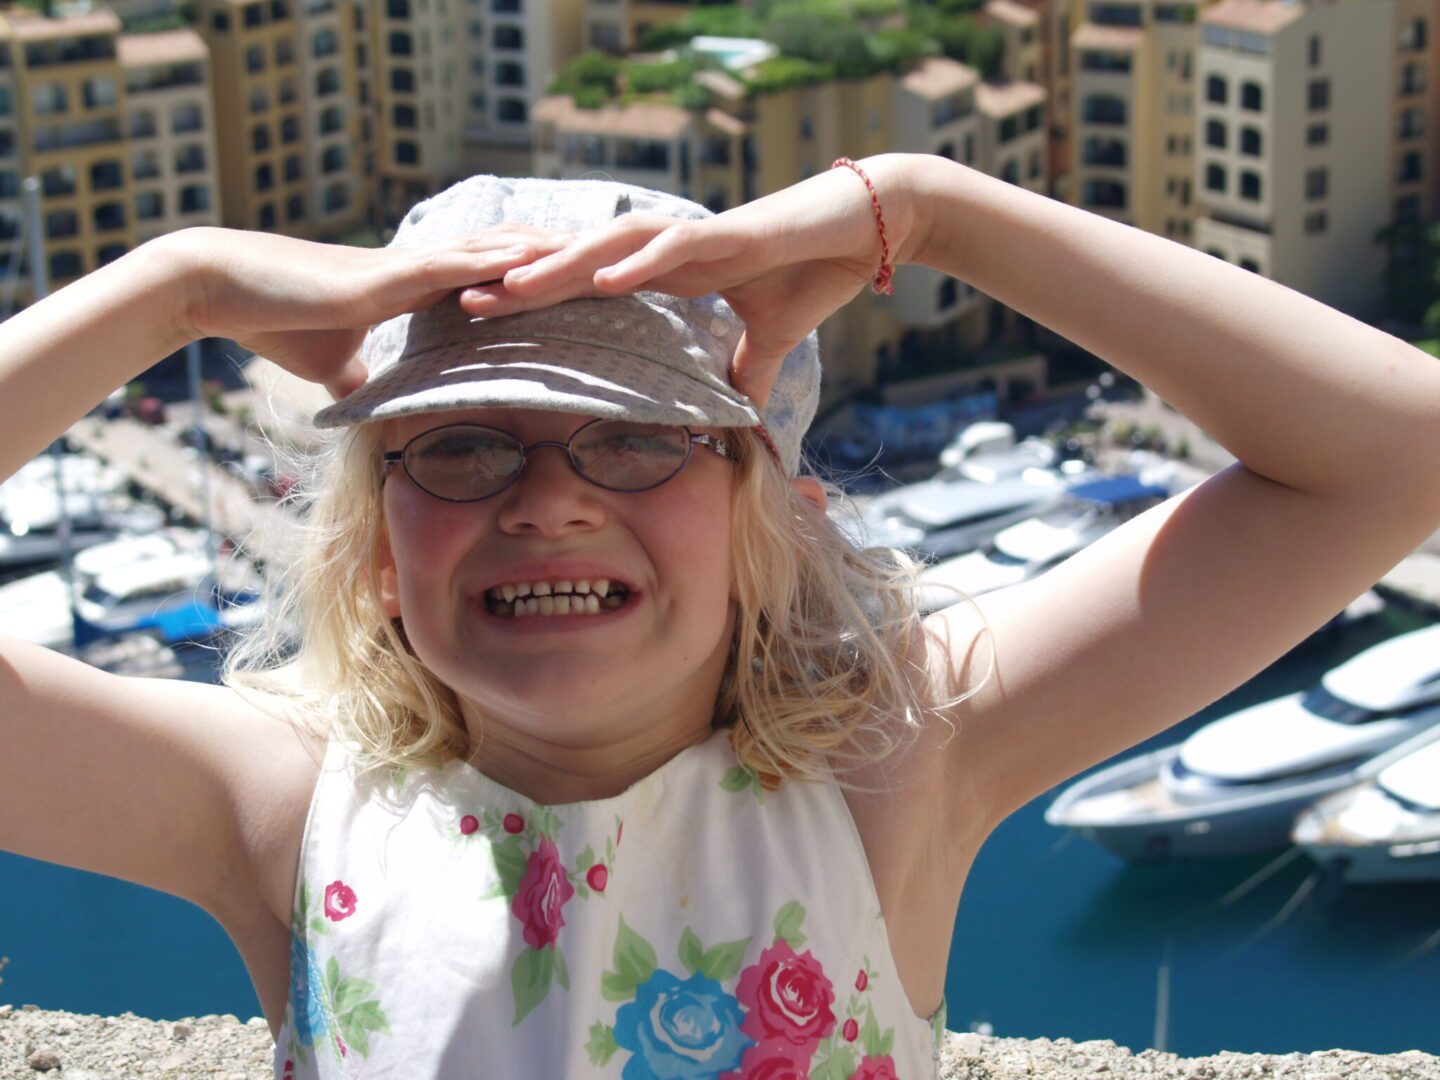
1327	706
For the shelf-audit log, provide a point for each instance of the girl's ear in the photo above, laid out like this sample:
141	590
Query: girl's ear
389	580
807	487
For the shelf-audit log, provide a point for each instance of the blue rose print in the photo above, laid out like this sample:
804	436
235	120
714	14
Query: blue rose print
305	989
680	1031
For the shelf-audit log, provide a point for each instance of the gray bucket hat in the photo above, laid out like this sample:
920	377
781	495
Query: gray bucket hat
646	356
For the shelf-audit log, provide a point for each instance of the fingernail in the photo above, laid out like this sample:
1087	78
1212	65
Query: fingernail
514	252
518	272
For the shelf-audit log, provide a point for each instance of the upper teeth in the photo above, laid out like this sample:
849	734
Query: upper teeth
599	587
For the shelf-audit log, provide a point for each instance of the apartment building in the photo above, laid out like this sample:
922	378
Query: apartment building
119	134
1037	49
617	26
288	101
747	144
1294	175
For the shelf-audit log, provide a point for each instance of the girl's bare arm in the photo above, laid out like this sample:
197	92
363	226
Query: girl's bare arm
1335	426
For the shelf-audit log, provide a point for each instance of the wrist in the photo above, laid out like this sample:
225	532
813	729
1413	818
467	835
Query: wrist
898	183
181	257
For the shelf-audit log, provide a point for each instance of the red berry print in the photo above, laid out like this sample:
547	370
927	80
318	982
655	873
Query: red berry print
514	823
862	980
289	1069
851	1030
339	901
469	823
597	876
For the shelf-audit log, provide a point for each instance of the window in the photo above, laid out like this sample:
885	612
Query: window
1319	94
327	82
333	160
1317	135
60	224
1408	209
289	129
1317	183
324	43
404	117
337	197
1252	97
1412	36
507	37
293	169
295	208
1033	172
1412	123
1100	109
185	118
109	216
1251	265
1412	79
264	177
1315	223
1105	152
1010	172
397	9
402	80
401	43
1216	89
1215	134
254	15
509	73
947	294
1409	167
1215	178
149	205
267	216
66	264
255	58
1250	185
1115	14
100	92
284	53
105	175
332	119
1109	194
49	98
144	164
511	109
1314	50
260	138
259	99
220	22
194	199
190	159
1250	141
407	152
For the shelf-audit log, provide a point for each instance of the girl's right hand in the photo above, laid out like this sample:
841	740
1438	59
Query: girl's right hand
307	305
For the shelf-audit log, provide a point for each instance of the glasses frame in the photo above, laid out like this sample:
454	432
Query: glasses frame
712	442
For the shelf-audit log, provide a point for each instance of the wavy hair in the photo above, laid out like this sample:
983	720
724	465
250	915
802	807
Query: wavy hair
826	668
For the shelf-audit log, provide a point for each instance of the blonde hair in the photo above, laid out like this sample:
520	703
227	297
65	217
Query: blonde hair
826	664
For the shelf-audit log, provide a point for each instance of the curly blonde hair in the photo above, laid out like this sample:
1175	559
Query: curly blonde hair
826	664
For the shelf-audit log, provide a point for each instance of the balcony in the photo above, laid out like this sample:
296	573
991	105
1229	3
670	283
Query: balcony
84	133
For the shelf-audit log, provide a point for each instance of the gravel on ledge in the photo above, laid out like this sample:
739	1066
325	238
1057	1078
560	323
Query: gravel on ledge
35	1043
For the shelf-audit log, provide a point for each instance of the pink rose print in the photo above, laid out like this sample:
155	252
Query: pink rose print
514	823
597	877
851	1030
774	1059
469	823
862	980
542	895
875	1068
788	996
339	901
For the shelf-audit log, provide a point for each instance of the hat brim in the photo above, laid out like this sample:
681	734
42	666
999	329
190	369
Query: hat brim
587	379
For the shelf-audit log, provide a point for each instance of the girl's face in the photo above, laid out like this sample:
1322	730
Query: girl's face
658	658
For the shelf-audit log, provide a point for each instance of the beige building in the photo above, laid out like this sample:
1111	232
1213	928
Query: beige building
118	131
743	147
1294	175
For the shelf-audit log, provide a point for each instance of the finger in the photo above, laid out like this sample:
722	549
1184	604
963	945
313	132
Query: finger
663	253
349	379
755	369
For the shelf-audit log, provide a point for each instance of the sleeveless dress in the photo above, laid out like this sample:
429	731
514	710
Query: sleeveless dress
693	927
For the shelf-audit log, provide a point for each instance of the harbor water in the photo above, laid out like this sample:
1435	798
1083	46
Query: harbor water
1054	938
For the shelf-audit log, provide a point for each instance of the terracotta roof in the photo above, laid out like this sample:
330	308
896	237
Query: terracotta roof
1121	38
938	77
166	47
719	118
1002	99
32	26
642	120
1011	12
1261	16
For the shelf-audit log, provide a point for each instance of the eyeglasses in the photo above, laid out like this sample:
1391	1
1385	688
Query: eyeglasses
469	462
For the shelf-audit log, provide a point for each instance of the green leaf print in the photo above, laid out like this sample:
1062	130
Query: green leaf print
787	924
691	952
530	979
585	859
562	973
736	778
722	962
602	1044
870	1036
356	1012
838	1066
546	822
510	859
635	962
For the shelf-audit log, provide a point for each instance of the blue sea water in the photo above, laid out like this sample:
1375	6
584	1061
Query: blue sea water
1054	936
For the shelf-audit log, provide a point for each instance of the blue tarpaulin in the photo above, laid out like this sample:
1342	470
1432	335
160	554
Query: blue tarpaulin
1117	489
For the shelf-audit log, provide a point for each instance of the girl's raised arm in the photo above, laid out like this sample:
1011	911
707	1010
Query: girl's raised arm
1336	426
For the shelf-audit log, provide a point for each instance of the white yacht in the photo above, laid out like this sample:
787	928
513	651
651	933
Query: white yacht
1385	828
112	581
1082	514
1237	784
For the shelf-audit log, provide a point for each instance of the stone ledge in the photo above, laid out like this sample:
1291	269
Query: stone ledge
71	1046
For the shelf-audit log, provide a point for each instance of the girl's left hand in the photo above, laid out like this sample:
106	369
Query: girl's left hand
784	263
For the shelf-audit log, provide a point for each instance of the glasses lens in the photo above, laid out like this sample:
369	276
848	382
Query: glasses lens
463	462
627	456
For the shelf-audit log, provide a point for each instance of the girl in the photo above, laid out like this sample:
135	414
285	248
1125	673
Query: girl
717	824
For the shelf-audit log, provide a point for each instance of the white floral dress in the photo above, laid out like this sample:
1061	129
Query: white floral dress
692	927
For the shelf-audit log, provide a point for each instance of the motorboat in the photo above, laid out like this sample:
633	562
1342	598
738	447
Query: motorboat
1385	828
121	580
1082	514
1236	785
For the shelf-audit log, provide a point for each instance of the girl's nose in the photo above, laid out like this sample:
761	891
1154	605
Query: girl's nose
550	497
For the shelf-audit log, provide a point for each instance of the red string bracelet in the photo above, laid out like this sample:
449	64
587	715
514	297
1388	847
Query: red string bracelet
881	284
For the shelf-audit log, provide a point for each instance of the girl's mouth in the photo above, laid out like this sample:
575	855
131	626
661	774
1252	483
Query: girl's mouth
544	599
